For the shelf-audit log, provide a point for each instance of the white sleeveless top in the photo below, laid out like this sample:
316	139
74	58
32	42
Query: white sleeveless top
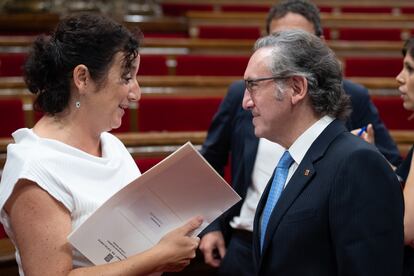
80	181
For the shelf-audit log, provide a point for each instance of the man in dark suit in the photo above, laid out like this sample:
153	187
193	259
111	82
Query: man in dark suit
341	208
227	242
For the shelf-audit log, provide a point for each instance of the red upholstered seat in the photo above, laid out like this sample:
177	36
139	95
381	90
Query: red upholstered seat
11	116
369	34
359	9
225	32
2	232
393	113
244	8
372	66
179	9
327	33
176	114
146	163
190	65
407	10
166	35
325	9
153	65
11	64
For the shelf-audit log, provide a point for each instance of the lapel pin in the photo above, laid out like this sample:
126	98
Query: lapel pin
307	172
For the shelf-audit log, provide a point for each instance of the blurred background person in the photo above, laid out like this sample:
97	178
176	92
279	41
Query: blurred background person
405	171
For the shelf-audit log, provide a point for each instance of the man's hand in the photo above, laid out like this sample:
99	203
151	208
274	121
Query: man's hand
210	244
367	134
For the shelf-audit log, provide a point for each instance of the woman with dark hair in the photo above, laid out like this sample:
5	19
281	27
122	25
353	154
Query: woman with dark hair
406	170
67	165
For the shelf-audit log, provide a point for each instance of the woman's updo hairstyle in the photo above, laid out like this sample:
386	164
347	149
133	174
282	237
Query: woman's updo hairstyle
88	39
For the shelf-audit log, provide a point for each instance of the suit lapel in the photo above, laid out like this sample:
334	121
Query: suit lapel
300	179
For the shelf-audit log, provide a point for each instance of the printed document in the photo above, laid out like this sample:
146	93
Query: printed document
165	197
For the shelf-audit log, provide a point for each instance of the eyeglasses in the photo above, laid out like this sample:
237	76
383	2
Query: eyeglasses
252	83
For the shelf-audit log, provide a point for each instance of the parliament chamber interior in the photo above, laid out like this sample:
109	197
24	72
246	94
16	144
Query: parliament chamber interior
191	52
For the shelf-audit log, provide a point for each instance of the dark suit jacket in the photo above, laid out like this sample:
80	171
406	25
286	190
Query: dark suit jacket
345	217
231	136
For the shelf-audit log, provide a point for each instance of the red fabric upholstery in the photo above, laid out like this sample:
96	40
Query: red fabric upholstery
392	112
11	116
11	64
2	232
327	33
234	32
179	9
244	8
407	10
153	65
190	65
356	9
372	67
176	114
37	116
369	34
167	35
146	163
325	9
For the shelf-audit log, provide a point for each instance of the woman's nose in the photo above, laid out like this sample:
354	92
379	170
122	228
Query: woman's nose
134	94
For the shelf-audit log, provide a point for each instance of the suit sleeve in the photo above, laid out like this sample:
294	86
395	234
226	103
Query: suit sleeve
365	112
217	146
366	216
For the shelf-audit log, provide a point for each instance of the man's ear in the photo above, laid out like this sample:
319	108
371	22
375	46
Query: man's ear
300	88
81	77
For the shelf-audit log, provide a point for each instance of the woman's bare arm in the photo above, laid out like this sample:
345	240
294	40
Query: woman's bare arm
41	226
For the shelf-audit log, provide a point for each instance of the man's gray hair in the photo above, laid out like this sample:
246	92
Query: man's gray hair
299	53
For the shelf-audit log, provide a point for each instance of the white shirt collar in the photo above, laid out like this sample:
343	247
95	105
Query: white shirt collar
302	144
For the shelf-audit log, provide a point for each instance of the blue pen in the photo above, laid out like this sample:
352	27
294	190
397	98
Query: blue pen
363	129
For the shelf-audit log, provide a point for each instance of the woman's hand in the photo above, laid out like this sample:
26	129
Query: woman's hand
177	247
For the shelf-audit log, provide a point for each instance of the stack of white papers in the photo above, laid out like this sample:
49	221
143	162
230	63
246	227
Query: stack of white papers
178	188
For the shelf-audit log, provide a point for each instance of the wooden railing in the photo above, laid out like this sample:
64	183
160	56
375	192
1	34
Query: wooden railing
174	46
326	3
196	18
136	139
162	143
16	85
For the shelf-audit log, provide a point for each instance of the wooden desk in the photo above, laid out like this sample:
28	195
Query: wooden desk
178	46
326	3
329	20
28	22
163	143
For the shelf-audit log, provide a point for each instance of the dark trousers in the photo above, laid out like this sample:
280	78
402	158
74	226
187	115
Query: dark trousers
238	260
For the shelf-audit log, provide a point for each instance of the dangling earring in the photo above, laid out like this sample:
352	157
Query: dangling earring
77	104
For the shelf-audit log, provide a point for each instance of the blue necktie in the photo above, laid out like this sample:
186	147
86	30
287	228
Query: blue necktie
276	189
